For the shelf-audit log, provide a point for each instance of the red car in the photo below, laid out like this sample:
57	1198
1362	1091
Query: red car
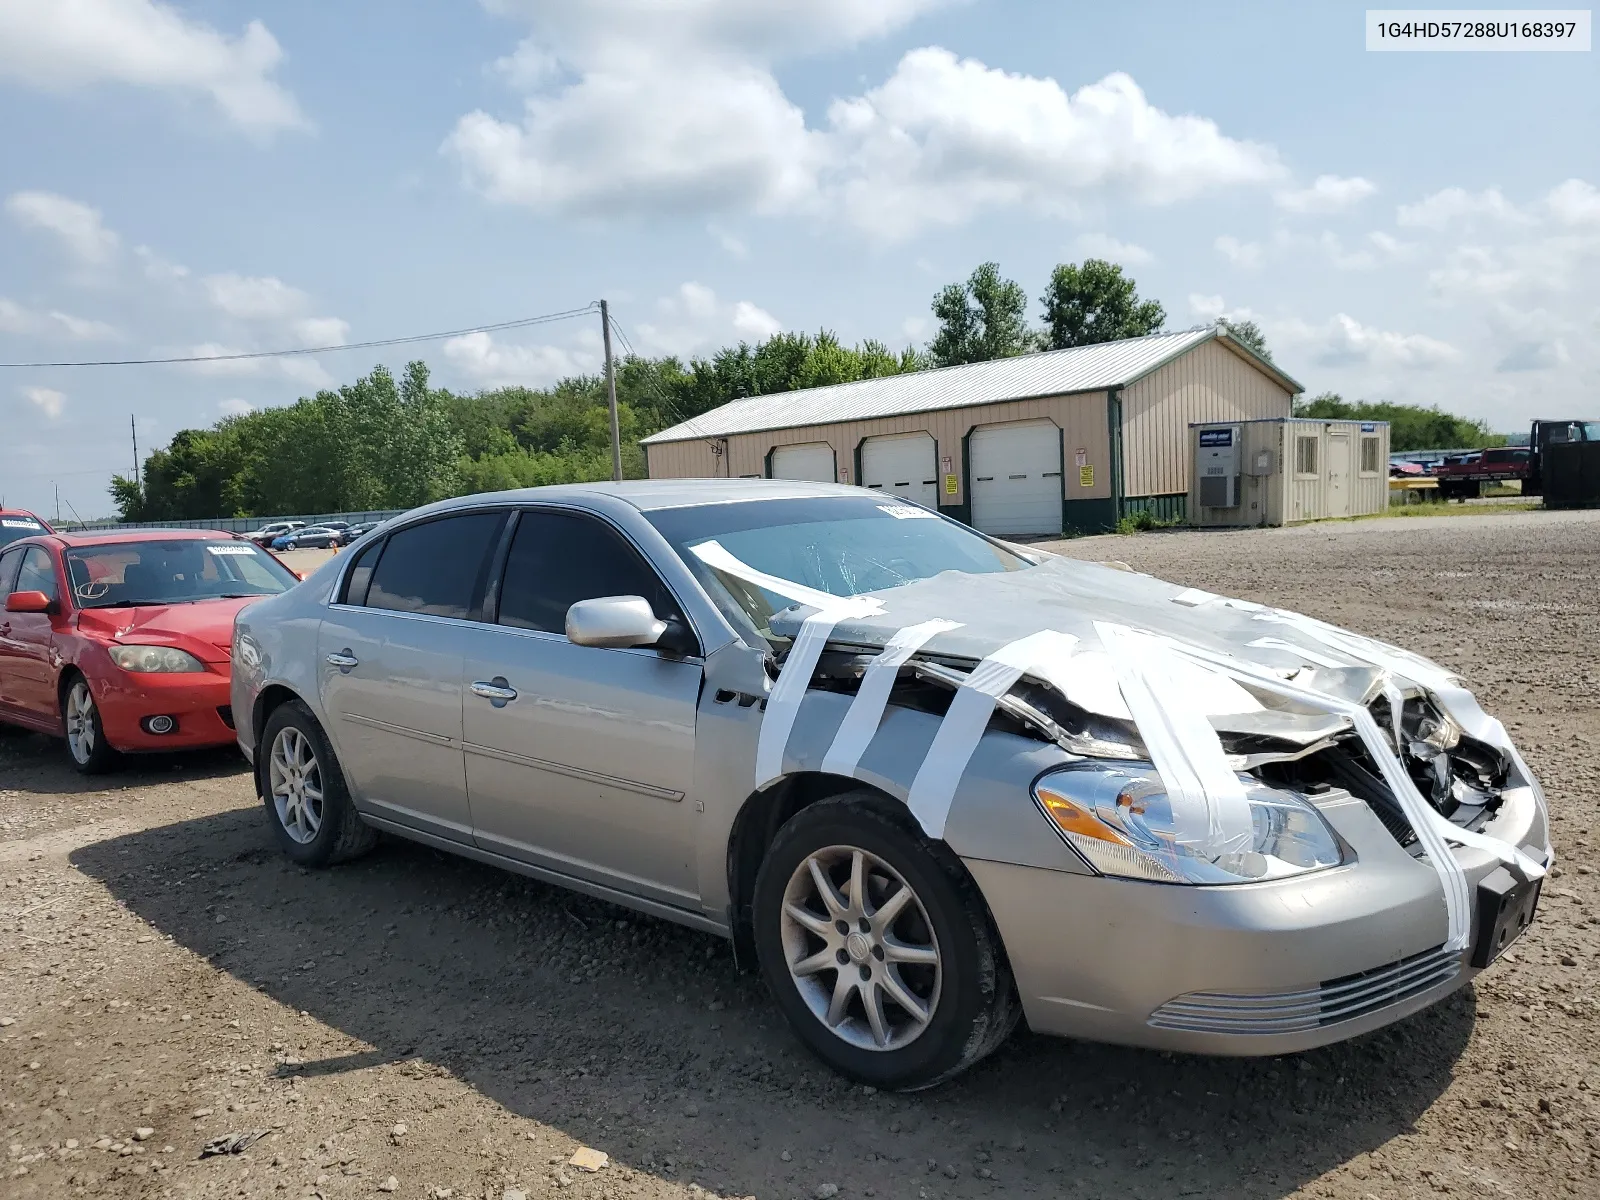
121	641
16	523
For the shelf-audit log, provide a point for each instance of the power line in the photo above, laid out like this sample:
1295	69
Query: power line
522	323
655	385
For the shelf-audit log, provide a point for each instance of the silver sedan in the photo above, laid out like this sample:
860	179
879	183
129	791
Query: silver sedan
928	783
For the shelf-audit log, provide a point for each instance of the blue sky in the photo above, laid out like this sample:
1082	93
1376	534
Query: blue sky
218	176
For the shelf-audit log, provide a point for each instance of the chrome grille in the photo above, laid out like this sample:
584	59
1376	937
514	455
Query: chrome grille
1328	1003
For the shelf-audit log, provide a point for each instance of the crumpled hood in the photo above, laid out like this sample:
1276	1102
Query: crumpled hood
203	628
1070	596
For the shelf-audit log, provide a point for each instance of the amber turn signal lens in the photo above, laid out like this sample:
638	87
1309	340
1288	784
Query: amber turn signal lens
1070	818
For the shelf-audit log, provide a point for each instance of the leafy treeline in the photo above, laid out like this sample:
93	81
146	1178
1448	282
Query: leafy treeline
1411	427
383	443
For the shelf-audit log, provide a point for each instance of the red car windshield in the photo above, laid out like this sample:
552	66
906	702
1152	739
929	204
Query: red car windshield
130	574
19	525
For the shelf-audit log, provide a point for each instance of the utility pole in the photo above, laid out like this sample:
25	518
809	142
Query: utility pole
133	426
57	487
611	394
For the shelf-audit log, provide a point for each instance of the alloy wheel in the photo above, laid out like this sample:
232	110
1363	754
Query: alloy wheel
80	722
860	948
294	777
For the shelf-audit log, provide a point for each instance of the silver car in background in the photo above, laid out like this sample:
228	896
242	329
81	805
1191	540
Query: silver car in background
927	782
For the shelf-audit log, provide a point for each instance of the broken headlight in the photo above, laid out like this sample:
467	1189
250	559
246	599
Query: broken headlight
1119	816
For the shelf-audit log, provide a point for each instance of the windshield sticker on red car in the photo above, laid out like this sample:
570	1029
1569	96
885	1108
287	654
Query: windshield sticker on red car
20	523
226	550
906	512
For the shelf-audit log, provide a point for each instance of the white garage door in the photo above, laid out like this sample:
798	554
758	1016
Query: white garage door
905	464
809	460
1016	477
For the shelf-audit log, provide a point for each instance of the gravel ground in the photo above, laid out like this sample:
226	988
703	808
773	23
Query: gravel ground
416	1025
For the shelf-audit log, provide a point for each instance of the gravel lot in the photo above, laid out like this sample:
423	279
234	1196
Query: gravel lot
417	1025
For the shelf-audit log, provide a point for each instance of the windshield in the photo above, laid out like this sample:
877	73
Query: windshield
172	572
12	528
841	545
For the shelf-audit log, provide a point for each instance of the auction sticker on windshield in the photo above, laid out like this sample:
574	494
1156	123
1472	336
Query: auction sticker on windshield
225	550
906	512
14	523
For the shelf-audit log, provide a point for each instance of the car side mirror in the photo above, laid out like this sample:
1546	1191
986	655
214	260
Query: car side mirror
29	602
616	622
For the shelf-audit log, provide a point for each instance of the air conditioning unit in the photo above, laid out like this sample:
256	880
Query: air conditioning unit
1217	466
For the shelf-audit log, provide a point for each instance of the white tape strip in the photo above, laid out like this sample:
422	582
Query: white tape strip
1209	810
1425	820
968	716
860	723
719	558
1306	655
1457	703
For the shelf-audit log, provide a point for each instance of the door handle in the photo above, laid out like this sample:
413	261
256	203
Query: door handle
497	691
344	660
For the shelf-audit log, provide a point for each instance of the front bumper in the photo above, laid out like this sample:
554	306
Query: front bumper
1268	968
197	700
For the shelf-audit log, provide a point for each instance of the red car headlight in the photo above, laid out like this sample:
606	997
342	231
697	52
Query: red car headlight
150	659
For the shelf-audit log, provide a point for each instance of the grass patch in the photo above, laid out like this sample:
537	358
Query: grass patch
1445	508
1142	522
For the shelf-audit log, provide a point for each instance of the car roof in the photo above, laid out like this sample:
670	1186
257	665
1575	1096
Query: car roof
648	495
112	537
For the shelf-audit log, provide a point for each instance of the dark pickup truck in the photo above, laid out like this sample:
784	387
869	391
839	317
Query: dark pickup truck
1462	477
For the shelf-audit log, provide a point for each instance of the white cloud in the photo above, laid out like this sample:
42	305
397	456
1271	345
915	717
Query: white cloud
61	45
1575	203
47	400
1343	341
1103	245
235	407
1209	307
945	138
159	269
730	242
299	368
321	331
489	363
16	319
694	319
255	299
638	108
753	323
1446	207
78	226
1327	194
1246	255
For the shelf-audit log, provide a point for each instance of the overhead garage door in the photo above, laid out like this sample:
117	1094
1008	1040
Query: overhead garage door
905	464
809	460
1016	477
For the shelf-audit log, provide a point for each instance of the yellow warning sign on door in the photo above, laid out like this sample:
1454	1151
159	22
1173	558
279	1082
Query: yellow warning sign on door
949	485
1086	477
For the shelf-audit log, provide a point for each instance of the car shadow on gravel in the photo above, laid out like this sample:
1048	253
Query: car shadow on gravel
34	762
640	1038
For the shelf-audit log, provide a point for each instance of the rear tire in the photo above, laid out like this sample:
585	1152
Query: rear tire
900	986
87	748
300	782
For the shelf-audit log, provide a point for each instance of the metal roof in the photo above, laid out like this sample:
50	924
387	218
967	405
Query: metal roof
1048	373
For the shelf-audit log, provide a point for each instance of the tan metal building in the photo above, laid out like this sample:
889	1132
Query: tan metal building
1060	440
1279	472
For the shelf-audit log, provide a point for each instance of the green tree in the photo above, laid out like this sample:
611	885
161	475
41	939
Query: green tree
982	319
1248	334
1411	427
1093	303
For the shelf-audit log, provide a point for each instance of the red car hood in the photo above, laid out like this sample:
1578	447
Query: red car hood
203	628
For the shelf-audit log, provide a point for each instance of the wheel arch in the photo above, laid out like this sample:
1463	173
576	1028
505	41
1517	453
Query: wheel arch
268	700
765	811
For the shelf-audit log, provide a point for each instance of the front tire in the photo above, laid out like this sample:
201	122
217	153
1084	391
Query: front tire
303	788
87	748
878	947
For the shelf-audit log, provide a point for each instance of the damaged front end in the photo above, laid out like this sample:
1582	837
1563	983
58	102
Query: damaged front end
1113	807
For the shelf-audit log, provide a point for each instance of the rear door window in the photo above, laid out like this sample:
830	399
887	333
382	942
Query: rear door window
558	559
436	568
